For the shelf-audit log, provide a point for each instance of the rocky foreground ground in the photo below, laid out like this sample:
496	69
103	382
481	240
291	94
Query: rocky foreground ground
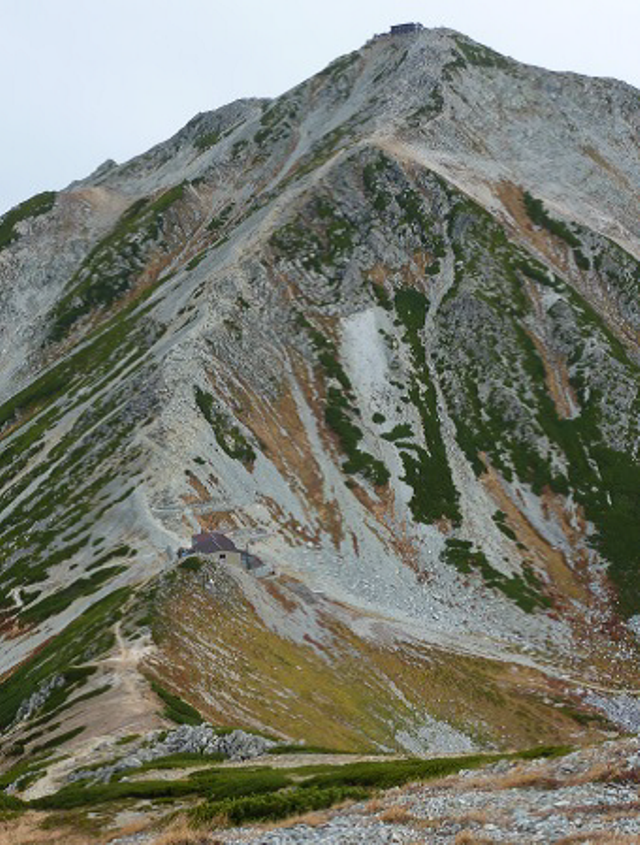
588	796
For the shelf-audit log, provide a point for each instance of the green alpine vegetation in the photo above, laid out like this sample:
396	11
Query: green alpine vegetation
426	468
525	590
112	266
228	436
85	638
34	207
341	411
175	708
541	217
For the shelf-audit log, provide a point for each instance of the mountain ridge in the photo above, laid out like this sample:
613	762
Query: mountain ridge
380	329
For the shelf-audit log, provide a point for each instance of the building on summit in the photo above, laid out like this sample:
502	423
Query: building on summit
398	29
406	28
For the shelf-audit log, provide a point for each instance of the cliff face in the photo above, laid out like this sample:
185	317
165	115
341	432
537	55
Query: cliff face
384	331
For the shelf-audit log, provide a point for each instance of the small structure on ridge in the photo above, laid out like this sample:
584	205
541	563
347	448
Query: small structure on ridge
218	547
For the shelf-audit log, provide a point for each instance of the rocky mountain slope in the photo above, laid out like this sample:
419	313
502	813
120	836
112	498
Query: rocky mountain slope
382	330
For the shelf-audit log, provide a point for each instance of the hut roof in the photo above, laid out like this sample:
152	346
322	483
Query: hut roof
212	541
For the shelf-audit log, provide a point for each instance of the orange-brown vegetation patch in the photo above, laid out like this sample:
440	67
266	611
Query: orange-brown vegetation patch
475	817
422	260
378	273
297	531
555	366
287	526
404	543
10	627
412	272
277	426
309	382
219	520
605	164
599	837
553	249
278	594
600	641
574	525
539	550
557	254
203	493
396	814
24	418
288	287
180	832
27	829
148	278
381	505
556	375
35	828
470	837
26	659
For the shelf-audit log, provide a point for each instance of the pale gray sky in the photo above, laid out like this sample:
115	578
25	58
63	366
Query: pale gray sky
87	80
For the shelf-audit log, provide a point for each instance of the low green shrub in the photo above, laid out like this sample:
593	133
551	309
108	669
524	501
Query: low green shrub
206	141
213	784
546	752
119	551
176	709
191	564
86	636
76	795
274	806
228	436
539	215
481	56
500	520
10	802
180	760
196	260
302	749
248	794
58	740
385	774
114	264
398	432
221	784
525	590
128	738
57	602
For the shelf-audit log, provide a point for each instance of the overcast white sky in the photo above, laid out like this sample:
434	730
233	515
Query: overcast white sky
87	80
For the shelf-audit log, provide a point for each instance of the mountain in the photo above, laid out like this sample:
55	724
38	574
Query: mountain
382	332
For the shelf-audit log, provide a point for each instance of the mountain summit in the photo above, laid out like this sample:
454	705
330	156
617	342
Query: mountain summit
321	418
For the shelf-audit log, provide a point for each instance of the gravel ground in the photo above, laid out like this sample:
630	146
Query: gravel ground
588	796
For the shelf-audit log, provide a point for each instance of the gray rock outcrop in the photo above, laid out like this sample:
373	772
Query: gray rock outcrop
187	739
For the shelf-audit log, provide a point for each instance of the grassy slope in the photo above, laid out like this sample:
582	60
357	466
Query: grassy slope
347	694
